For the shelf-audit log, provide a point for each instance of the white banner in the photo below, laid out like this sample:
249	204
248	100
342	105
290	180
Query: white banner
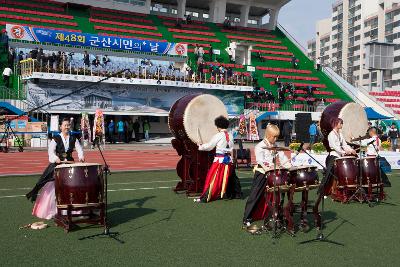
303	159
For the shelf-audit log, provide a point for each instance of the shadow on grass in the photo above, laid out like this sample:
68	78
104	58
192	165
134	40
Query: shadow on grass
119	213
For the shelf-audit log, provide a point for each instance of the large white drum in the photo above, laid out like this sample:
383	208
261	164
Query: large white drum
193	116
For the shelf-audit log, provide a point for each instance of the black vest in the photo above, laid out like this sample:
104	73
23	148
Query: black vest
60	149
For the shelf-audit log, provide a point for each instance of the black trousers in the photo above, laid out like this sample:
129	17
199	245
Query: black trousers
328	175
47	176
257	191
234	189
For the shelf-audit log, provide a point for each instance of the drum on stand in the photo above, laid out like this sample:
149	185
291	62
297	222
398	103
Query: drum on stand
371	177
304	177
347	172
191	121
79	187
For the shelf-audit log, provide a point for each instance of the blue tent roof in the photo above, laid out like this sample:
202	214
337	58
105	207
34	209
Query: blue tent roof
265	114
13	110
373	115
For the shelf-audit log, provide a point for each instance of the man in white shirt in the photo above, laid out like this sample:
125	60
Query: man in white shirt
60	150
7	72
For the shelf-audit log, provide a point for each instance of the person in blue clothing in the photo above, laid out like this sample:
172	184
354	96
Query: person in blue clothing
313	133
120	127
111	127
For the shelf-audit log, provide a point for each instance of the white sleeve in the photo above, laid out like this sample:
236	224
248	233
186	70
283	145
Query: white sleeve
259	152
52	152
365	142
210	145
345	145
334	145
79	149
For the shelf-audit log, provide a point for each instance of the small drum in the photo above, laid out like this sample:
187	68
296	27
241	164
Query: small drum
355	122
304	177
79	185
192	117
346	170
369	170
281	178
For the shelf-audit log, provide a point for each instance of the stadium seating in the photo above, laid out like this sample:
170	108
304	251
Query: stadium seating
126	31
274	47
235	37
47	27
186	26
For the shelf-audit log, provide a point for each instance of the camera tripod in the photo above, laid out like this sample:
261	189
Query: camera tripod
9	132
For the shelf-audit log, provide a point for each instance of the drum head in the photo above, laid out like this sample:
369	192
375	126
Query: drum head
355	122
199	117
81	164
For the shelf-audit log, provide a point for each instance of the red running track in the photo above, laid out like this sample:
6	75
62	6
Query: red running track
34	162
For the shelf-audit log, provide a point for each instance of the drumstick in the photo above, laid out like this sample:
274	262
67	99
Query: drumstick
199	136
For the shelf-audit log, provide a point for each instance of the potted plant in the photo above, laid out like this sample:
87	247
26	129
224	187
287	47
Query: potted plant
294	146
318	148
386	145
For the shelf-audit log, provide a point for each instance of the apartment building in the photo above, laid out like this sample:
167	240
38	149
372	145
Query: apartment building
341	41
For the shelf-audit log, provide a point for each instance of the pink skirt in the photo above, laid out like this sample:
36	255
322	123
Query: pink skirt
45	205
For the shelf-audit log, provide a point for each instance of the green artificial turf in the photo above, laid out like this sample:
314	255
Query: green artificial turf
159	227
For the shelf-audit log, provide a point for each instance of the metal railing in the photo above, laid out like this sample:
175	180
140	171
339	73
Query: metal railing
29	66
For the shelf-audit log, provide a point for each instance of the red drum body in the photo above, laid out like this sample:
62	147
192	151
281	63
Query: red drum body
191	121
278	179
79	185
369	171
304	177
346	169
355	122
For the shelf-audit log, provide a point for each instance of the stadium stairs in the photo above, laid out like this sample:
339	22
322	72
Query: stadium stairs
275	48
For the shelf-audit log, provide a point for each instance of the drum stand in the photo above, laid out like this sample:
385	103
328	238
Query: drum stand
360	193
318	218
106	232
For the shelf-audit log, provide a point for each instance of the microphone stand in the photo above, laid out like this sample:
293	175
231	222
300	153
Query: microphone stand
106	232
320	235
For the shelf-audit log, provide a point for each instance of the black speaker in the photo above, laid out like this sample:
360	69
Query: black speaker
302	124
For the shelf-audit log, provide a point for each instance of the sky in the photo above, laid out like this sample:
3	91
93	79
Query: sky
299	17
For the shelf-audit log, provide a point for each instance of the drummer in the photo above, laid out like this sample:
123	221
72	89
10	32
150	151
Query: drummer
59	151
221	176
256	205
373	144
339	148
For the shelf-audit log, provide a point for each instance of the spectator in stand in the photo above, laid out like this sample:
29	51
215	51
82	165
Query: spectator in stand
201	52
106	60
11	57
230	54
146	129
96	62
281	95
227	23
188	19
211	54
196	51
136	128
34	53
40	57
277	80
287	132
393	134
130	131
7	72
294	62
111	129
4	40
318	64
86	59
313	131
20	56
260	56
120	128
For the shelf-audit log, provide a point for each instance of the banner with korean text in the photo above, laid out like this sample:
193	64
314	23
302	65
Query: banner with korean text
46	35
